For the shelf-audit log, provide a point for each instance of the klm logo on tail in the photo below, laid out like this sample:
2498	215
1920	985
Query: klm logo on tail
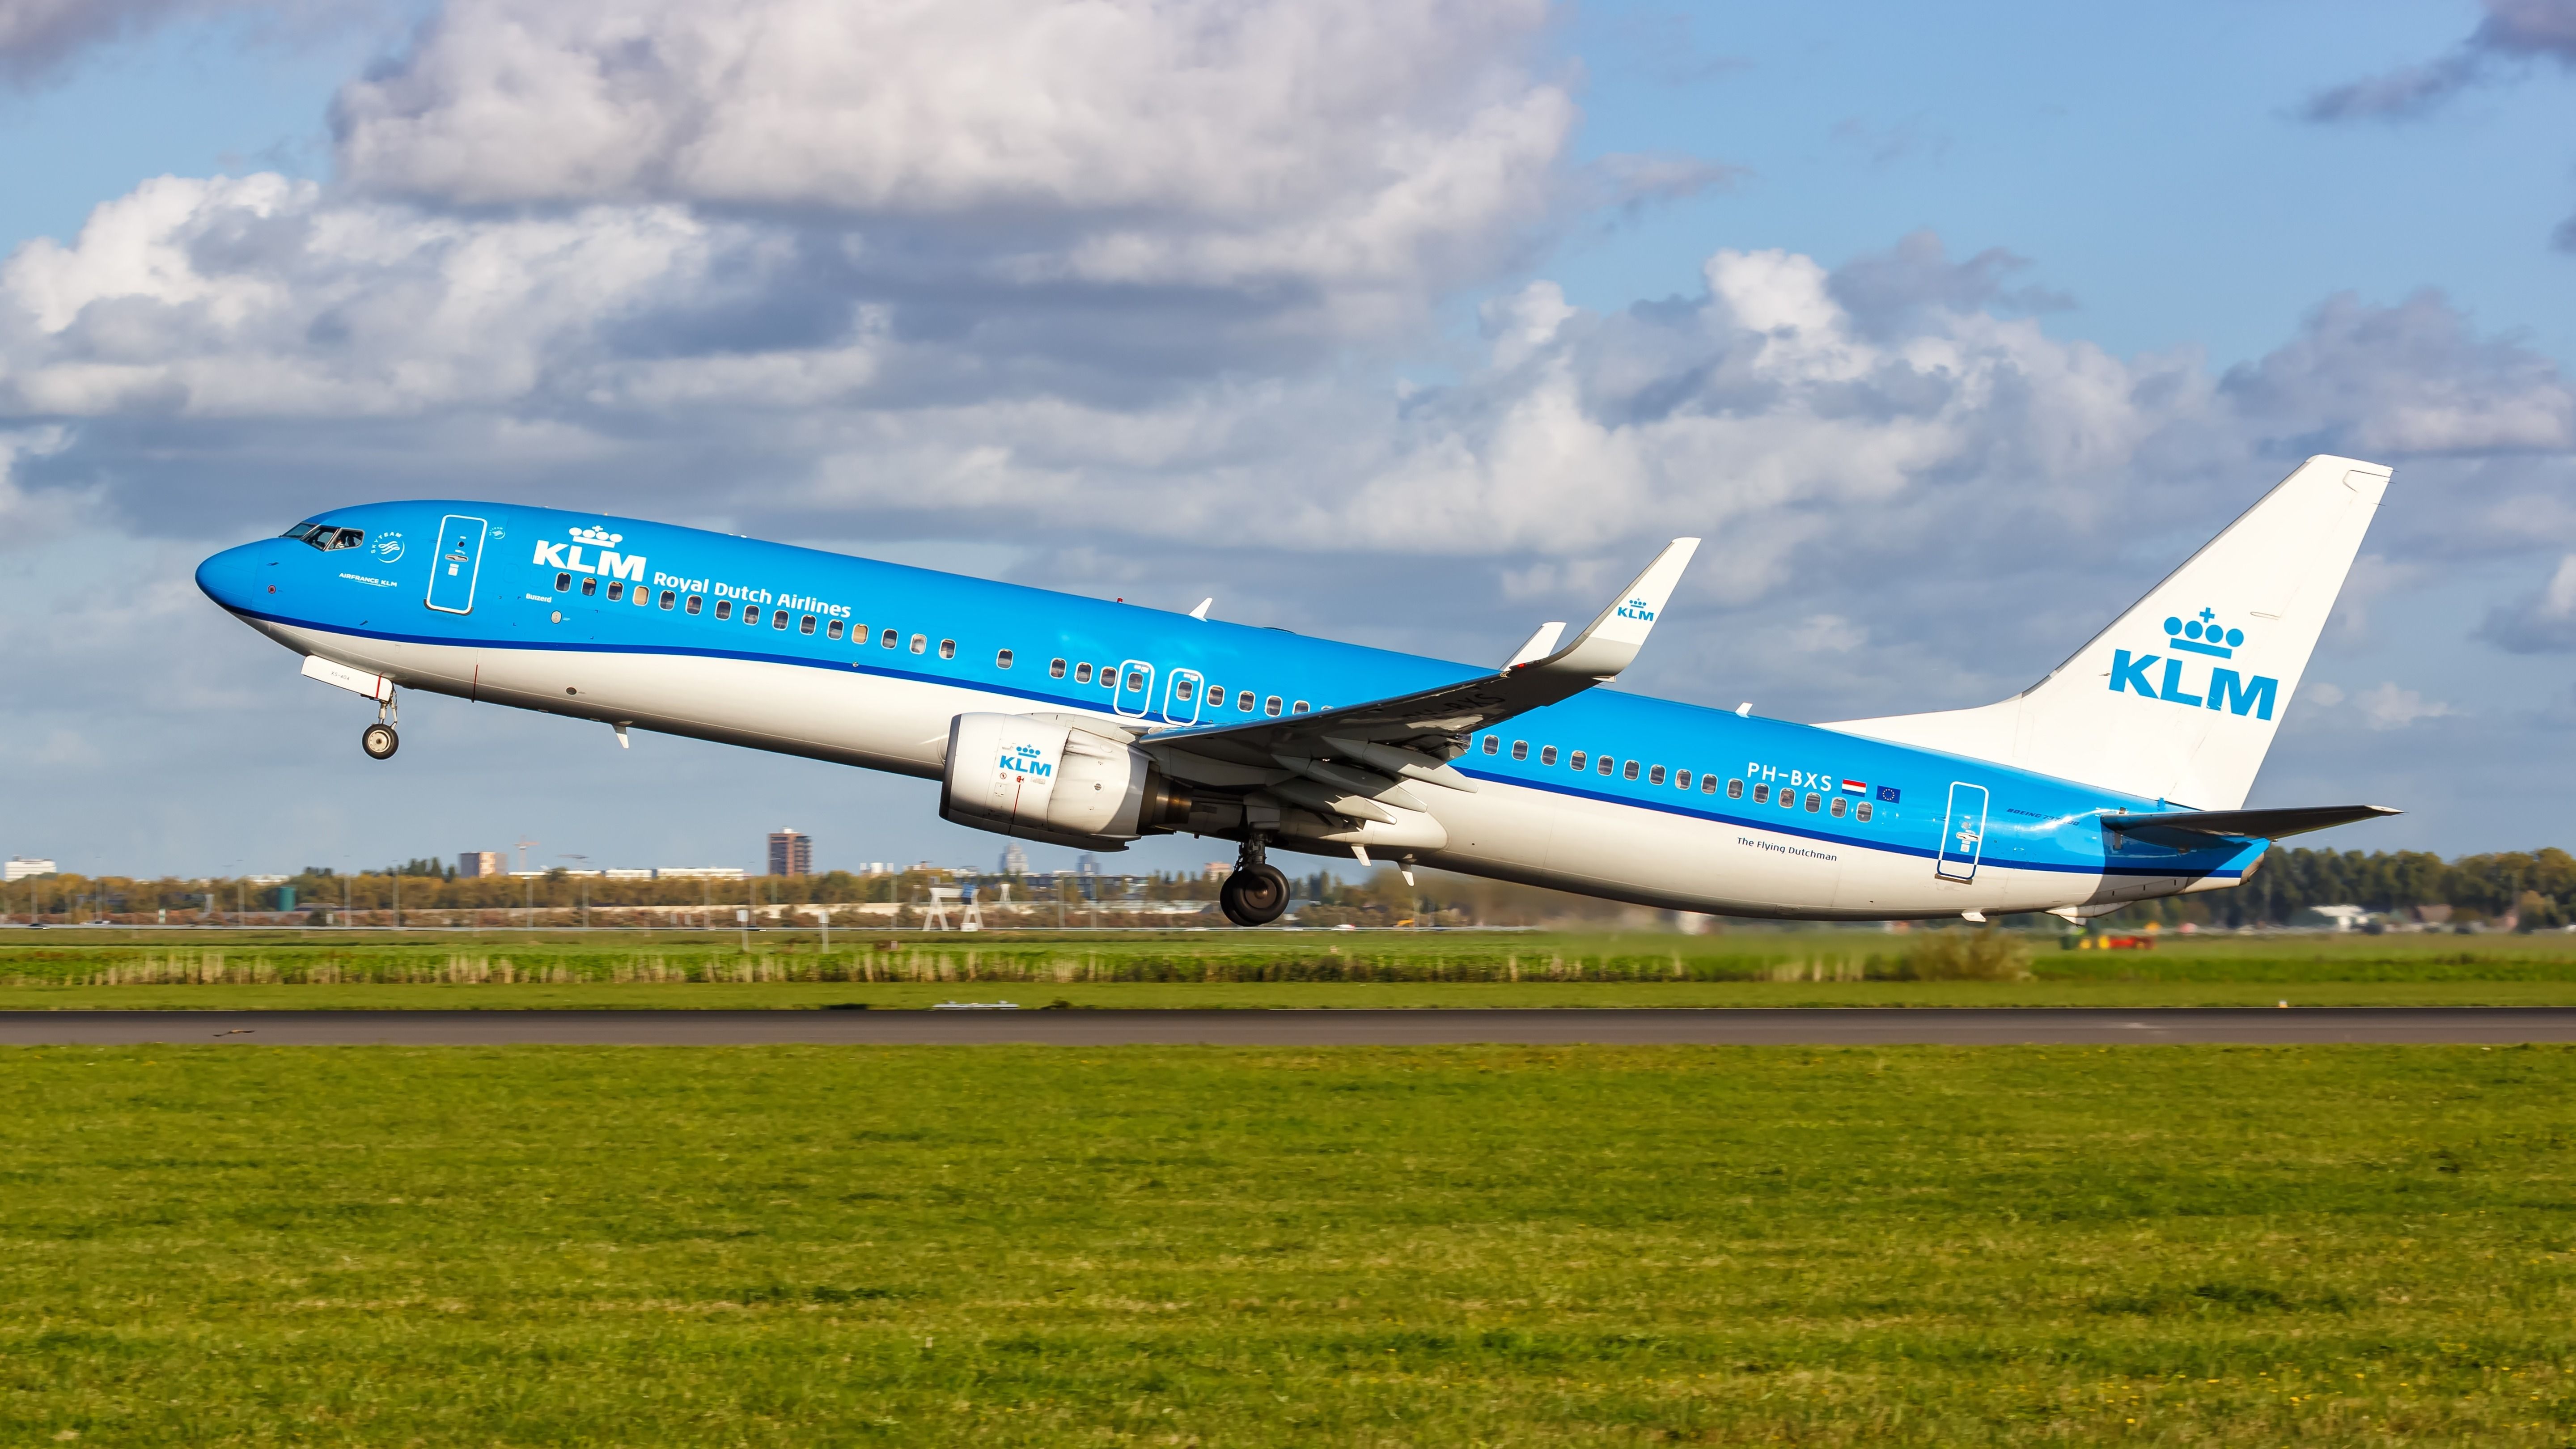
1636	609
2222	689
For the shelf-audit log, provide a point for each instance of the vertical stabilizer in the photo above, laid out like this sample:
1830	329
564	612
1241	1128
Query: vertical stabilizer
2179	698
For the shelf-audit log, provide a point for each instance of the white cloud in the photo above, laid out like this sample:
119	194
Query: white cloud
2390	706
2544	622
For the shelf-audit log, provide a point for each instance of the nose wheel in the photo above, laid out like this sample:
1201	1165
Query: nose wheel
380	742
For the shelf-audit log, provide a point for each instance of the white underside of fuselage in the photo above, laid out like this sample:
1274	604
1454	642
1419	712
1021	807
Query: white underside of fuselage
1501	830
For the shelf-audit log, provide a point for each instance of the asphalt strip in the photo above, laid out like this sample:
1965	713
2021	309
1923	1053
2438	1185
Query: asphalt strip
1704	1026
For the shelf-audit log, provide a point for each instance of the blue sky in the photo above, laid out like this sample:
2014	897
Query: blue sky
1344	320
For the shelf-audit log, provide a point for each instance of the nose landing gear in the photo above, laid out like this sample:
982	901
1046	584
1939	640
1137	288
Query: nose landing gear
1257	893
379	739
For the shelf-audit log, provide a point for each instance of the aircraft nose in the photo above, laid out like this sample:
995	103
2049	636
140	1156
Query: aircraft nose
232	578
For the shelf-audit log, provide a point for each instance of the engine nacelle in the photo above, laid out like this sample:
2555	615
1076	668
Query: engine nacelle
1041	780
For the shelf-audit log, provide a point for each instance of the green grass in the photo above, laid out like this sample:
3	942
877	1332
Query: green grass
1240	1247
519	961
1255	995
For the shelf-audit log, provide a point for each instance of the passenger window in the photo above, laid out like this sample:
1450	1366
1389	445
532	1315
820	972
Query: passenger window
724	608
1788	799
832	630
1761	794
1109	676
1055	669
1520	749
1181	690
1654	776
1002	659
1270	705
589	587
920	643
1082	674
562	582
890	639
778	618
1862	813
1631	771
751	613
696	602
1300	707
1606	764
1247	701
1838	806
1578	761
670	597
1135	679
947	648
616	591
1814	800
1734	789
1493	744
805	625
1547	755
1708	784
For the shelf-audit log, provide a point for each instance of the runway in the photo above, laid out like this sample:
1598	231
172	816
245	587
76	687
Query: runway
1720	1026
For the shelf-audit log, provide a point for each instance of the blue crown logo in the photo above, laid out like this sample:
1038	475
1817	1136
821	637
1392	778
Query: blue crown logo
2202	635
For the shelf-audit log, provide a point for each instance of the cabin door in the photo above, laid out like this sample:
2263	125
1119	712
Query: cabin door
1963	835
454	564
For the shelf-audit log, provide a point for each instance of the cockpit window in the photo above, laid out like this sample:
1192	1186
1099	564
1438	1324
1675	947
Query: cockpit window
325	536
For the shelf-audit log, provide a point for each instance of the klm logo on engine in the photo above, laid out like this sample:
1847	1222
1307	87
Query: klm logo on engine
610	564
2223	688
1026	760
1636	609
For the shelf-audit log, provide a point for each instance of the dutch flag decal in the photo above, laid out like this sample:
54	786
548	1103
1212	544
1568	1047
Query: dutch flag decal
1854	787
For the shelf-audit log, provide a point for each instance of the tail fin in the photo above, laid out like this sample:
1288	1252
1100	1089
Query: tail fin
2179	698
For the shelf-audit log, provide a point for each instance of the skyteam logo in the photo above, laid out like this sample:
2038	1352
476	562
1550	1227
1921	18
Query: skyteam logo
2224	688
388	546
1636	609
609	564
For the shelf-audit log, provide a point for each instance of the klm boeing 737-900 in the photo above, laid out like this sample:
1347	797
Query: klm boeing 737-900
2120	777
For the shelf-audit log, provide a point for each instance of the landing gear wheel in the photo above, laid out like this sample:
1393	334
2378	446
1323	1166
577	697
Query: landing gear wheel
1254	895
380	742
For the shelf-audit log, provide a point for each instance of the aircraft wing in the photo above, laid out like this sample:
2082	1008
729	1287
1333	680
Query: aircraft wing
2245	824
1411	735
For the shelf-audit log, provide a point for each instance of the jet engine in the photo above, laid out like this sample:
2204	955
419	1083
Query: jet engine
1042	780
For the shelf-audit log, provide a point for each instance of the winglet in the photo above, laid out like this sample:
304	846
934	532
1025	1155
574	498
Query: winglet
1200	613
1610	642
1541	644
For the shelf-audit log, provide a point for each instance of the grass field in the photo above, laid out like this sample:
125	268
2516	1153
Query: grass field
1246	968
1197	1246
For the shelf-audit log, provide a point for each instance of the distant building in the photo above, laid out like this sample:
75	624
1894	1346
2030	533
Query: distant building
22	867
790	853
1015	861
627	874
478	863
1218	869
699	872
1086	864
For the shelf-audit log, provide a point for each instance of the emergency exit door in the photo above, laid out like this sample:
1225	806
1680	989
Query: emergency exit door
452	568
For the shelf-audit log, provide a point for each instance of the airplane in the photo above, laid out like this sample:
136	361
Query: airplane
2119	777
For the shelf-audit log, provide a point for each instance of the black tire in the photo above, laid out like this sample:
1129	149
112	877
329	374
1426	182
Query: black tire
380	741
1254	897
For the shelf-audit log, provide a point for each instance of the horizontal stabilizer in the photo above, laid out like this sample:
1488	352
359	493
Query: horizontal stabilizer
2248	824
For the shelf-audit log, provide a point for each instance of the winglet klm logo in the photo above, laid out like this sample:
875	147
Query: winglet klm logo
1636	609
2225	688
609	565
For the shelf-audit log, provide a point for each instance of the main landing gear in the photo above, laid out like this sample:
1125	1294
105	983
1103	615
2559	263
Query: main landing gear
1257	893
379	739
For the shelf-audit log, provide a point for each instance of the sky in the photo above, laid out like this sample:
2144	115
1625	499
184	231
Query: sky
1411	322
